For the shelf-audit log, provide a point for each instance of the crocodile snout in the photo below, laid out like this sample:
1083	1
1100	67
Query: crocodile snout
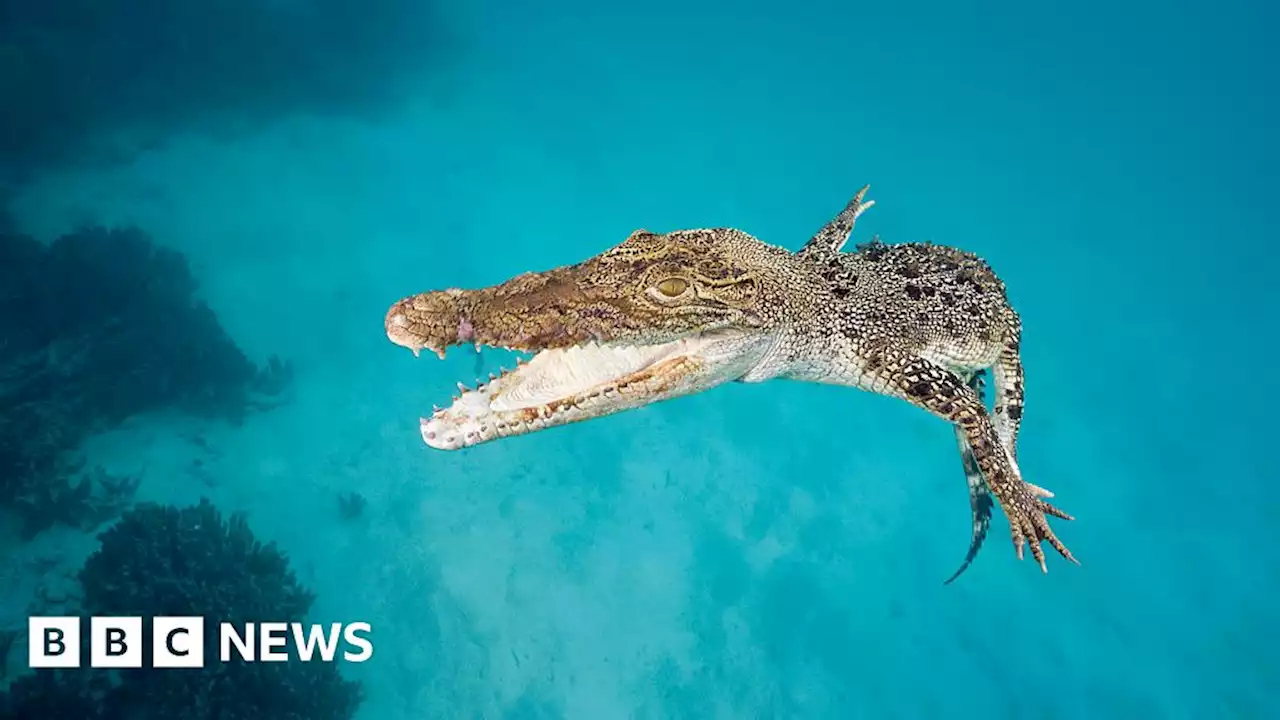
399	328
429	320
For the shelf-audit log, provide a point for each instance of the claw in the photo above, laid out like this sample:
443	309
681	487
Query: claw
1048	509
1039	491
1038	553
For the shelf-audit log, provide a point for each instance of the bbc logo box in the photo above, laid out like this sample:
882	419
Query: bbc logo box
53	642
115	642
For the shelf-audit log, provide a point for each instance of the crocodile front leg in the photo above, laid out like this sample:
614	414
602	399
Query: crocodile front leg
934	388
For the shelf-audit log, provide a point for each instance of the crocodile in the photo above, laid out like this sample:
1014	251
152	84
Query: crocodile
663	315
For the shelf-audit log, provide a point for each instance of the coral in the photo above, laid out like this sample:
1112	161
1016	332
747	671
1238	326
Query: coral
7	639
100	326
74	503
228	65
218	562
56	695
190	561
351	505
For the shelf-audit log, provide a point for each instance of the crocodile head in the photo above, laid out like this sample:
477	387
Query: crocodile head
656	317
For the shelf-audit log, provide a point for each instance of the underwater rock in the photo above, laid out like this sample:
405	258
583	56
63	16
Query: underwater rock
100	326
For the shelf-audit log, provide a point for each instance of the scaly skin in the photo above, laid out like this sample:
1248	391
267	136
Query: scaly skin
664	315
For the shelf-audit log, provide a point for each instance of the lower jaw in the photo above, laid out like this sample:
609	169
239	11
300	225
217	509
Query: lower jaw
456	427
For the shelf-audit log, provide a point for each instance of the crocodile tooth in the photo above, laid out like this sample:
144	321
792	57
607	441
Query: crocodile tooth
439	352
462	388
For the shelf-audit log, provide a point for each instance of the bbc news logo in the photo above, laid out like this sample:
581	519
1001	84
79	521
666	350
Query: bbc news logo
178	642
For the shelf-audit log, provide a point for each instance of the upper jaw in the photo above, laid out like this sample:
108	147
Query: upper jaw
438	320
531	322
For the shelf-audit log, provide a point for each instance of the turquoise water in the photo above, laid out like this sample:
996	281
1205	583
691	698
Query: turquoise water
774	550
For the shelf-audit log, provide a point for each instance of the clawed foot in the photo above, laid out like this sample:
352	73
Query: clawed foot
1028	521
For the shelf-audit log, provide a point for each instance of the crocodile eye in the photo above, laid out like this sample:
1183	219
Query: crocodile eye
673	287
